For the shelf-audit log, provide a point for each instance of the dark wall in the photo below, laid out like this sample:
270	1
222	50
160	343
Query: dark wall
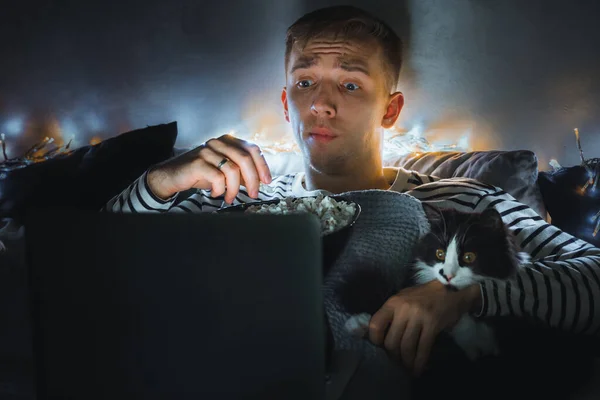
509	73
526	72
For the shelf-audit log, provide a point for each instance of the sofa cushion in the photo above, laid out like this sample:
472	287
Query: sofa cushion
514	171
89	176
84	179
571	210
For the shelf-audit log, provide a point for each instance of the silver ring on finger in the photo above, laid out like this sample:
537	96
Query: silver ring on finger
223	162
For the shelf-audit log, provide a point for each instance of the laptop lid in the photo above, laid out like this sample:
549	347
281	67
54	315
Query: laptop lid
165	306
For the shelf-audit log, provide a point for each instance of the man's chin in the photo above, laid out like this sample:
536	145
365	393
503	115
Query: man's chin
328	165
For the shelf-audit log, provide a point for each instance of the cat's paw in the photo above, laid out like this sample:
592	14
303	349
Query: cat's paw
358	325
477	339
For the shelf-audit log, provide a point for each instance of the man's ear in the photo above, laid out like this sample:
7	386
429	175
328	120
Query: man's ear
285	104
395	104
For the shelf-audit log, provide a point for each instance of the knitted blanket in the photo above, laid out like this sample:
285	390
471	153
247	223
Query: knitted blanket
371	268
373	264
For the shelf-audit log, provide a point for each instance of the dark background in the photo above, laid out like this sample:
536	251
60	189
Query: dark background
513	74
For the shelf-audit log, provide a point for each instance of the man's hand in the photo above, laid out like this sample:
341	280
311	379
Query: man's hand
409	322
199	168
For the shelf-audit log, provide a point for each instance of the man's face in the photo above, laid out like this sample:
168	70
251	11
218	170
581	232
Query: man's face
337	99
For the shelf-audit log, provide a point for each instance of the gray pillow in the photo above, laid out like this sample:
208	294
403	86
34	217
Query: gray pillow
514	171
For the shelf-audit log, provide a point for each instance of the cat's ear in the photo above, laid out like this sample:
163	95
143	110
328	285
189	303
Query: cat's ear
432	212
491	218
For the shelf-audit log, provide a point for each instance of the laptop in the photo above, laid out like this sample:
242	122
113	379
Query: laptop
176	306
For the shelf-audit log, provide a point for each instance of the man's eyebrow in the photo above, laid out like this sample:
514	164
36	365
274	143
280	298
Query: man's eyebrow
304	62
345	63
353	65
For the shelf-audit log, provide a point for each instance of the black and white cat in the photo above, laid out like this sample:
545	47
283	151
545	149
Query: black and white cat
461	249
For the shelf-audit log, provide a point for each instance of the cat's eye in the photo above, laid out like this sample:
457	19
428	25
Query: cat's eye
440	254
469	257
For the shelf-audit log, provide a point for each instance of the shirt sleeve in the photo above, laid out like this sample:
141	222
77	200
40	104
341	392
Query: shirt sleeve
416	179
137	198
560	286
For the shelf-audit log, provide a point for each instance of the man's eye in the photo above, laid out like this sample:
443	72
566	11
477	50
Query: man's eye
305	83
352	87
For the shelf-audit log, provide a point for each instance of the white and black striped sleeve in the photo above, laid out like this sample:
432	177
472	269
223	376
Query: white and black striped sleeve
560	287
416	179
138	197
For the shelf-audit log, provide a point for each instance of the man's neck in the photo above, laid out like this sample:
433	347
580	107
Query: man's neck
350	181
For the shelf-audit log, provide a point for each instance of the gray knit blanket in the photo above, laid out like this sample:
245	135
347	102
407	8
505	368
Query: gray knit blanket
374	263
373	266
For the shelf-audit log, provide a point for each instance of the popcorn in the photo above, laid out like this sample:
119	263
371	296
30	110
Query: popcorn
333	214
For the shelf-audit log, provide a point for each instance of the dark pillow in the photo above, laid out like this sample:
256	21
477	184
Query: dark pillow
571	210
88	177
514	171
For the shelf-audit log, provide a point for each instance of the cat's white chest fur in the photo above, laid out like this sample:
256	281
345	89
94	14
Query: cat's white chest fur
476	338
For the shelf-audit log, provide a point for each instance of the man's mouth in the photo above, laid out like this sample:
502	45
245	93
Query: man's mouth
322	135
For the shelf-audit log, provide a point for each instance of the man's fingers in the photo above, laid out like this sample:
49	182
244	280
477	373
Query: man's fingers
232	180
214	177
424	347
264	172
206	167
242	158
260	162
229	181
378	326
410	340
394	335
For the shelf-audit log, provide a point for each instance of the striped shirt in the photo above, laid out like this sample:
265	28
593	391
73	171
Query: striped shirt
559	287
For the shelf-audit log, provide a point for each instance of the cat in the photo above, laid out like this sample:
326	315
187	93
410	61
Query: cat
461	249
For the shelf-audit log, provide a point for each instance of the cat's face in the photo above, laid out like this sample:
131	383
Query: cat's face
464	248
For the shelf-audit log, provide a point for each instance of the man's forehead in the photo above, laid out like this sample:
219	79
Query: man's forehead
343	48
360	55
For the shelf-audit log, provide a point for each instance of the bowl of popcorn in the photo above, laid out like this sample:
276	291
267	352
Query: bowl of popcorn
334	213
337	215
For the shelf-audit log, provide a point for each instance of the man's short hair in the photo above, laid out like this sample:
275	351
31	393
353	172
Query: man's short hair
349	23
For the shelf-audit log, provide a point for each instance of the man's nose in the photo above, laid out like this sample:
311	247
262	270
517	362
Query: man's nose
323	106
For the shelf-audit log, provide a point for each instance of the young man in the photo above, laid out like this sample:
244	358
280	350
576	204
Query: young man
342	67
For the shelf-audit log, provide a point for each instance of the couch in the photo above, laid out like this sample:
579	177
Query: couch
88	177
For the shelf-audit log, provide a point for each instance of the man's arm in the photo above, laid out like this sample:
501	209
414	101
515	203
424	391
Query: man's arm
560	287
219	167
138	197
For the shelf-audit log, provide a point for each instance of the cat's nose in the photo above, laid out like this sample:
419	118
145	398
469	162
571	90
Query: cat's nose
448	277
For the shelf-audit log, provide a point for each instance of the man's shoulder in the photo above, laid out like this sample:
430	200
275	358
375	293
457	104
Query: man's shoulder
405	179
